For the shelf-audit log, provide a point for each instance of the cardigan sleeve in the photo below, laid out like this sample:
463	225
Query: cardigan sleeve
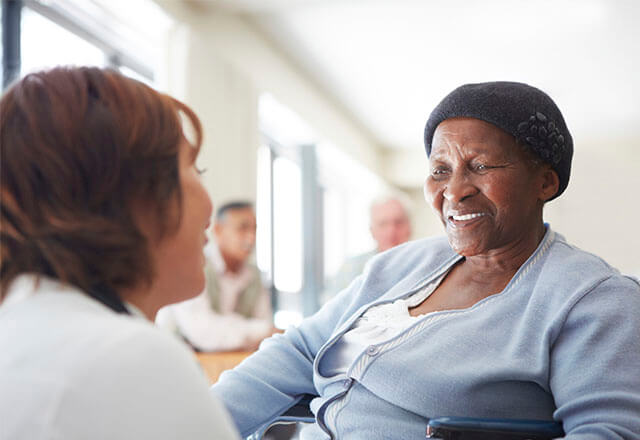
595	363
272	379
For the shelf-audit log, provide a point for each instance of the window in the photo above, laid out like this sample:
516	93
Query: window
313	210
46	44
279	247
348	189
287	225
91	32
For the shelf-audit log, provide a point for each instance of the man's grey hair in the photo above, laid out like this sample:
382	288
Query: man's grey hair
381	200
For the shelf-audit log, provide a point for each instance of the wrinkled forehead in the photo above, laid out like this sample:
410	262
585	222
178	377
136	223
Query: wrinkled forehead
471	135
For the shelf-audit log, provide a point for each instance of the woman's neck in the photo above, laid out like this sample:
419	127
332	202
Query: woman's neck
143	299
504	262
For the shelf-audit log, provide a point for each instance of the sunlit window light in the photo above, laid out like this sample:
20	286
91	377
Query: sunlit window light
96	33
263	207
349	189
283	124
287	211
44	44
283	319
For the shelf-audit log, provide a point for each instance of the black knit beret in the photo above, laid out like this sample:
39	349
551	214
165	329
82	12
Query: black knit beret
521	110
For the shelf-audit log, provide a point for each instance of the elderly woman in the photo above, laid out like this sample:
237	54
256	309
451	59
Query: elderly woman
502	318
103	222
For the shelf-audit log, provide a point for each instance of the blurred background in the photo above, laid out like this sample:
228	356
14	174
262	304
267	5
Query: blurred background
314	108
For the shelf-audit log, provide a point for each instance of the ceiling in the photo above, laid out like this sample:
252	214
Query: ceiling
389	62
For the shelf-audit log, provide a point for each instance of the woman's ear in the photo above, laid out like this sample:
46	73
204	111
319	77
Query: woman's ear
550	183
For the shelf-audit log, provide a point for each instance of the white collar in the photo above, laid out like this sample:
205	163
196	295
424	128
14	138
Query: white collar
212	251
26	285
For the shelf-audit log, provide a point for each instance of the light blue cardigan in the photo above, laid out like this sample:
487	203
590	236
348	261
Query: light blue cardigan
561	341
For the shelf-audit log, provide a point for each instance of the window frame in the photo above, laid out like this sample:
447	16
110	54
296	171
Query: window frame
312	242
118	53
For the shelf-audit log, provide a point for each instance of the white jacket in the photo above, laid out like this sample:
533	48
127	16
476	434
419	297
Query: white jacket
72	369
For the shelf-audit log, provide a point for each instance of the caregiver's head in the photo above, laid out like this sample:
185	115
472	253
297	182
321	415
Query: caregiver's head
99	188
497	152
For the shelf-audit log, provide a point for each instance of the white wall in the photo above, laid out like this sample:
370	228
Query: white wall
226	101
600	210
228	64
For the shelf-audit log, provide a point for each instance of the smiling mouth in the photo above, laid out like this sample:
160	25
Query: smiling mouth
466	217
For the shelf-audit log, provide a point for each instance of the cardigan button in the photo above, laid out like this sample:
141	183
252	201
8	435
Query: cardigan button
372	350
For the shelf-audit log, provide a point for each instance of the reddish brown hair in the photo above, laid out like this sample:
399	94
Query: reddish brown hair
80	148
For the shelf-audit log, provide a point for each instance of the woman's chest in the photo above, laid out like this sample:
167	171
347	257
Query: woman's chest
485	369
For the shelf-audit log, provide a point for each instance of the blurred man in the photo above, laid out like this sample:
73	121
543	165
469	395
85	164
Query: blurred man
389	226
234	311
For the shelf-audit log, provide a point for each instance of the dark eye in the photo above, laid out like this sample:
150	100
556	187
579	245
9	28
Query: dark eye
481	167
439	172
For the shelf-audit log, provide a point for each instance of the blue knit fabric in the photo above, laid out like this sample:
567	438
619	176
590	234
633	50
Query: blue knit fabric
562	341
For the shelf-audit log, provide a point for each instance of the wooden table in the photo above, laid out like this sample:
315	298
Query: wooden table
214	364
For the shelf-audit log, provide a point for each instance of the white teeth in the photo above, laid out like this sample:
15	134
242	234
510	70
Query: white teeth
467	216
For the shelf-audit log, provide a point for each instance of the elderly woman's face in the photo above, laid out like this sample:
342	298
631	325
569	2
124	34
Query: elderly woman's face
486	191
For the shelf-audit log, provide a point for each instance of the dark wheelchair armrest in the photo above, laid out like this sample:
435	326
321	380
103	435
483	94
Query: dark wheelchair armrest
466	428
298	413
301	408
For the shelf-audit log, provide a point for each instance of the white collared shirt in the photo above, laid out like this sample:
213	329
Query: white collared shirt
377	325
72	369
